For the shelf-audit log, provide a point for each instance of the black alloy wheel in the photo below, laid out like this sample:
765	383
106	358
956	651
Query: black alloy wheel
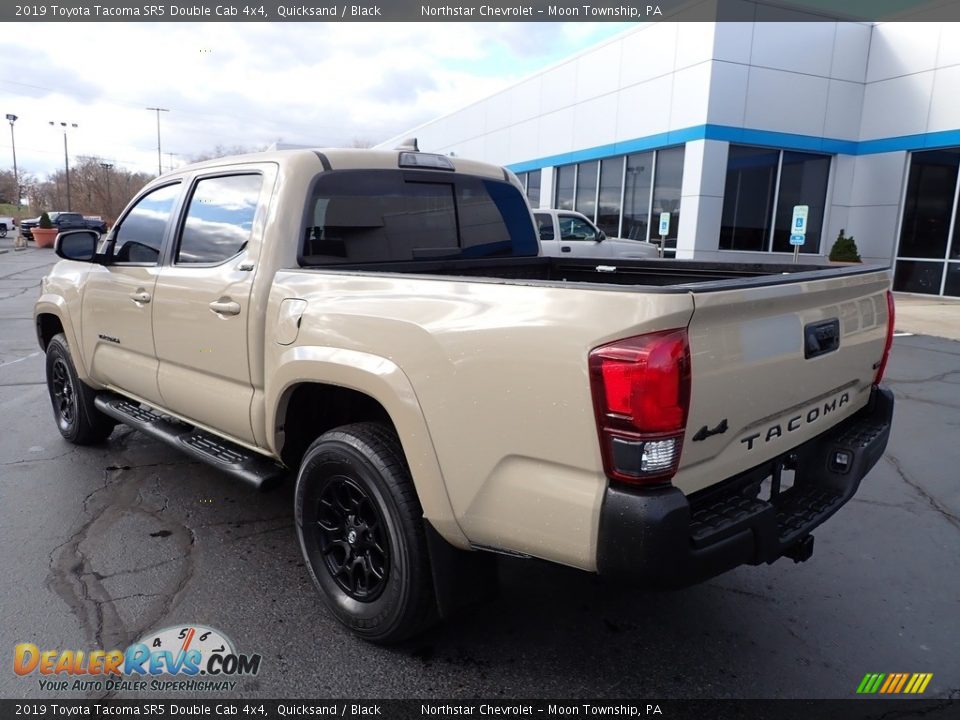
361	531
62	395
351	538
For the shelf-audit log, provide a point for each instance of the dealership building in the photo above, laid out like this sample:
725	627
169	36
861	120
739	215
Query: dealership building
727	126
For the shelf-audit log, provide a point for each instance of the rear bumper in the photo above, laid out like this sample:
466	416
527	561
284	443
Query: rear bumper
663	538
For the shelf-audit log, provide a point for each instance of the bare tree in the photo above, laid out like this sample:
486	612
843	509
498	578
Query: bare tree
96	188
222	150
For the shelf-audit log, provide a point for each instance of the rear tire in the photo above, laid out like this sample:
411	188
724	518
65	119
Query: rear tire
78	419
360	527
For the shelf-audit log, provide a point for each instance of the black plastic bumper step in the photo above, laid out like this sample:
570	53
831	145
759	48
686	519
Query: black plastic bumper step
253	468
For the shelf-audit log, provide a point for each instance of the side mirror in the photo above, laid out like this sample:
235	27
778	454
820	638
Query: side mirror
601	235
80	245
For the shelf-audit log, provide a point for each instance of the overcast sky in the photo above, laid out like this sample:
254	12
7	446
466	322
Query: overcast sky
252	84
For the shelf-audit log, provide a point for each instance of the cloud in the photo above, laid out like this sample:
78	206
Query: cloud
252	84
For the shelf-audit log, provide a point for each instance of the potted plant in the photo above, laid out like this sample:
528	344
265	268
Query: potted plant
45	233
844	250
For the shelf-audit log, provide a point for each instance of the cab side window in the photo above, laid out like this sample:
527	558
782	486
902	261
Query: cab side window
140	234
219	219
544	226
573	228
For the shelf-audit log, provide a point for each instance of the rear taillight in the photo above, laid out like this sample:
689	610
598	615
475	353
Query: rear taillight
641	394
889	342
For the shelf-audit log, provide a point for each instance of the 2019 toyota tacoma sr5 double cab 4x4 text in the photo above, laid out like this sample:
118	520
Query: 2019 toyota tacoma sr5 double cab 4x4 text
381	325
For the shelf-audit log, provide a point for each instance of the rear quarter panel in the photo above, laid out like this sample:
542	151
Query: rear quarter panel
499	374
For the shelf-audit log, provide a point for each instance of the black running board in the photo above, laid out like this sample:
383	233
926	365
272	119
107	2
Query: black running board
250	467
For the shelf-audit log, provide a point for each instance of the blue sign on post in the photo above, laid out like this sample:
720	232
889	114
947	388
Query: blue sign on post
797	239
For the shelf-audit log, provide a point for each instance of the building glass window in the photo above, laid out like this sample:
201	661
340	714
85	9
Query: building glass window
763	186
924	258
666	190
636	196
616	192
803	181
587	189
929	204
611	183
563	196
748	198
533	187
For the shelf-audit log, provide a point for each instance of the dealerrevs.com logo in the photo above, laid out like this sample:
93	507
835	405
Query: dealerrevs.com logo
202	658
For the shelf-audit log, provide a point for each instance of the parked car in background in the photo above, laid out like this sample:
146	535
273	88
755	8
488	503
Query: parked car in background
6	224
565	233
95	222
61	221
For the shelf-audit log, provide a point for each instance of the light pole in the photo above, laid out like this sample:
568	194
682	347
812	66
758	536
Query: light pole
107	167
159	157
11	118
66	156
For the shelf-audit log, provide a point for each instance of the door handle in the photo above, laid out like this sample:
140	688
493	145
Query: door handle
140	297
564	248
225	307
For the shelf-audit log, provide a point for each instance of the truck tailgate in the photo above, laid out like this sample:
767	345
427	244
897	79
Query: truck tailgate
766	376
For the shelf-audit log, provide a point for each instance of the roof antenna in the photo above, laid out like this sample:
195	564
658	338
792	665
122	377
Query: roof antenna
410	144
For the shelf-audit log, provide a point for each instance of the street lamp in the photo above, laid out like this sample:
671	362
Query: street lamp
159	158
11	118
107	167
66	156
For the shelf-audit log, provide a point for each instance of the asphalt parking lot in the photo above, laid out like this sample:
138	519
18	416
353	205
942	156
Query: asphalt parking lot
101	545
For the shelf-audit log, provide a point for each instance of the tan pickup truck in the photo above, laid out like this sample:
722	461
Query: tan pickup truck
380	324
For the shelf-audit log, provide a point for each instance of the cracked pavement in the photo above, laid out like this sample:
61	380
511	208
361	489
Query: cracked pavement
102	545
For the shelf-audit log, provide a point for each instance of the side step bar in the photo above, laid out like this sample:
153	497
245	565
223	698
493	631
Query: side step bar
243	464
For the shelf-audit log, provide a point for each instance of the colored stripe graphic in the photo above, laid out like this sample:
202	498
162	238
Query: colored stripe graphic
894	683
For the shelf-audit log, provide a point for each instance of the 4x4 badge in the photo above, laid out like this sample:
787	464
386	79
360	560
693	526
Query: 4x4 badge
705	432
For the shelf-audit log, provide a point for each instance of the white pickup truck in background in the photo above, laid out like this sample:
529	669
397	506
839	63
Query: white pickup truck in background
565	233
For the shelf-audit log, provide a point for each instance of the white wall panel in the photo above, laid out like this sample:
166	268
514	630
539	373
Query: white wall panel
525	100
598	71
902	49
844	109
804	47
558	88
468	123
694	43
786	102
691	95
648	53
524	138
595	122
945	105
640	110
497	111
878	179
733	41
728	94
874	228
896	107
496	148
851	48
556	133
844	167
705	168
699	231
949	52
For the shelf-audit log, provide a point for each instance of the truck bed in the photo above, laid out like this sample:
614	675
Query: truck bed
649	275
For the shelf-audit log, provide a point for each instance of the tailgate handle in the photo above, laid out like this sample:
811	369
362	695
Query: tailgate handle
820	338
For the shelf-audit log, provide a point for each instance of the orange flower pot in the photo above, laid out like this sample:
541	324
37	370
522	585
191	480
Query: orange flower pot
44	237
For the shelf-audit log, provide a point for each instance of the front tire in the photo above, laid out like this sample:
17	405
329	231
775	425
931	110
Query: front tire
78	419
360	527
